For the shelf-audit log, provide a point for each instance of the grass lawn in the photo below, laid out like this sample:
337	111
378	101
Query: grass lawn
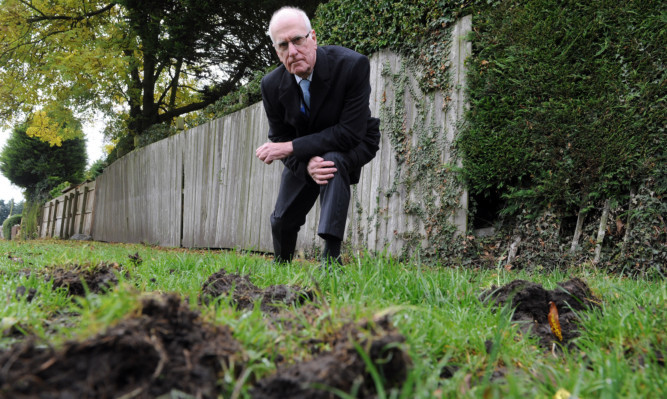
458	346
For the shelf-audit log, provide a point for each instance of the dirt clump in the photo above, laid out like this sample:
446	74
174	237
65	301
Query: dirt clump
165	348
27	293
531	304
343	368
75	278
97	278
244	293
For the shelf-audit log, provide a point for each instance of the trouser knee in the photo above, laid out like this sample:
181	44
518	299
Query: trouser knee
340	160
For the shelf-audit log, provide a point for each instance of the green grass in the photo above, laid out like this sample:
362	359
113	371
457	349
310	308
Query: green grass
435	308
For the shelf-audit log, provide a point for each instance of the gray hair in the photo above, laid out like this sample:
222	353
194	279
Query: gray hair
286	11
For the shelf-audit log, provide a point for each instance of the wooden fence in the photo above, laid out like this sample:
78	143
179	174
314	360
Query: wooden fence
69	214
204	187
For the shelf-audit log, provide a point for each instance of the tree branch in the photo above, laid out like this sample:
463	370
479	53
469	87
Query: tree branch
44	17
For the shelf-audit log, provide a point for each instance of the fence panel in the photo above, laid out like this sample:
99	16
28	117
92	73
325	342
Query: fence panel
139	197
70	213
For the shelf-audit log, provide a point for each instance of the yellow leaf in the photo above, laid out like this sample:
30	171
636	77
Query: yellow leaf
562	394
554	323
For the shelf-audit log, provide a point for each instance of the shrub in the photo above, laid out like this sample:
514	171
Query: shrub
7	225
566	102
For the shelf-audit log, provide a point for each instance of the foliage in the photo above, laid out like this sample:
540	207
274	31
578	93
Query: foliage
9	208
645	251
38	167
567	107
30	220
8	224
59	52
58	190
95	169
54	124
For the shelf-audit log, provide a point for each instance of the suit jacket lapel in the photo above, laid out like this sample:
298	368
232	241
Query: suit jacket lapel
290	97
320	85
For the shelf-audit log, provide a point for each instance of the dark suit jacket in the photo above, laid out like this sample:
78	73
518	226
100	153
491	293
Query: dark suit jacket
340	118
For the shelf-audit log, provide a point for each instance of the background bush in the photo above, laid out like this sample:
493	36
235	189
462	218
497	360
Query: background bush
568	102
7	225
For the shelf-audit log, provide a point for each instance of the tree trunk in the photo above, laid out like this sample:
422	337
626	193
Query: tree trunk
174	85
601	231
578	229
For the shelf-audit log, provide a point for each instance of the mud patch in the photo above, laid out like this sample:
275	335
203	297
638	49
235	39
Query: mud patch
75	279
244	293
530	302
97	278
343	368
166	348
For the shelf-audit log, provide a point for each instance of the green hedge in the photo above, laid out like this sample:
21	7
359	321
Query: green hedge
7	225
567	101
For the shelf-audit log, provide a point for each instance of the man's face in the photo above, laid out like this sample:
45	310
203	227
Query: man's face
298	60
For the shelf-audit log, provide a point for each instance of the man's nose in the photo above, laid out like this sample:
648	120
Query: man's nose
291	48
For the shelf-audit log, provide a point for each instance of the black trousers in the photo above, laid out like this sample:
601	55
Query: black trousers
297	196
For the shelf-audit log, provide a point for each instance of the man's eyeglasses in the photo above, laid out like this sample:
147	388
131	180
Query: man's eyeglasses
297	41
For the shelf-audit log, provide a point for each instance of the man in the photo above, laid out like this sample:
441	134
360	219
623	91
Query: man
320	127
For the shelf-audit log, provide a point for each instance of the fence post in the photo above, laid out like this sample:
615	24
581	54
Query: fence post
40	217
75	207
55	216
61	231
48	220
83	208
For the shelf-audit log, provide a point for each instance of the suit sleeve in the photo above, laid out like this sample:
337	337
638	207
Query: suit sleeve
351	128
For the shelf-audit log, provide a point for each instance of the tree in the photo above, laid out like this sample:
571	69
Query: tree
38	167
146	61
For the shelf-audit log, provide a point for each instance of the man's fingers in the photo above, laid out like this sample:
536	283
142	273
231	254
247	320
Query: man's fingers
326	171
325	164
321	170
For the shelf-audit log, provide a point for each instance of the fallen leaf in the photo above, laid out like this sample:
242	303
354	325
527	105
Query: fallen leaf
562	394
554	323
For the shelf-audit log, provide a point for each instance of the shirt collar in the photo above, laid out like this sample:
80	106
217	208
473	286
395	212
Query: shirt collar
299	79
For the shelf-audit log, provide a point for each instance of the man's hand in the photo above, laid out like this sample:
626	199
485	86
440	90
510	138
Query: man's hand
320	170
269	152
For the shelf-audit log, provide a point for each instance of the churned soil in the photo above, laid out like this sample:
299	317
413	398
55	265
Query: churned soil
75	279
165	348
343	369
530	302
244	293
